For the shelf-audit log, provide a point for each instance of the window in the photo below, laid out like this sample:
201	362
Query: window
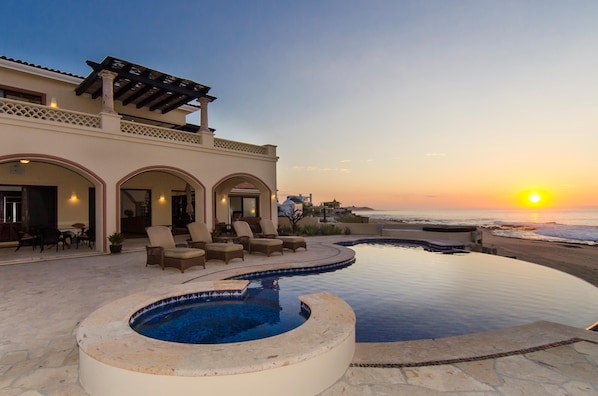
244	206
23	96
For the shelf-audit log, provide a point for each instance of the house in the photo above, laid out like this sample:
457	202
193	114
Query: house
114	151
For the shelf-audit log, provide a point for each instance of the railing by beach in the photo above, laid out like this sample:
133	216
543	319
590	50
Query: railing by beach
41	112
46	113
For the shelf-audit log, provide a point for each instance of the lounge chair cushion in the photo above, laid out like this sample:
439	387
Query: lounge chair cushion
223	247
266	242
183	253
199	232
161	236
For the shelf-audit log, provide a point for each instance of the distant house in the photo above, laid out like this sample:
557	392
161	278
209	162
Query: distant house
334	204
114	151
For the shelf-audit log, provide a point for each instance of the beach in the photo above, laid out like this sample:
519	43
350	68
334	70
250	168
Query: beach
576	259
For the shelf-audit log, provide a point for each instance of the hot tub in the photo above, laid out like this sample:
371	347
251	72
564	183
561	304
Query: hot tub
116	360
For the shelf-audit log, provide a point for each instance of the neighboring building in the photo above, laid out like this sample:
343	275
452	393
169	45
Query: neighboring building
304	200
334	204
293	203
114	151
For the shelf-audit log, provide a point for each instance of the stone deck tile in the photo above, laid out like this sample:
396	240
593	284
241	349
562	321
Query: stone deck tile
45	301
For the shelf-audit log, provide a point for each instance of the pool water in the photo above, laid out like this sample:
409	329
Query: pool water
258	315
404	293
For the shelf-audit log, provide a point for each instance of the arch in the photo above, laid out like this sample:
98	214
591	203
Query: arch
92	177
179	173
226	183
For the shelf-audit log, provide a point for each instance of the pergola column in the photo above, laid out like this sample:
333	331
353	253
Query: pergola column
203	122
107	91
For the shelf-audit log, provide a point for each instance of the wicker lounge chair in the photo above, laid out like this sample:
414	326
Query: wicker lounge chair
202	239
252	244
165	252
288	242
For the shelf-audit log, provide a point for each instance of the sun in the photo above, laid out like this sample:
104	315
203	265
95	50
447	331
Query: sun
534	198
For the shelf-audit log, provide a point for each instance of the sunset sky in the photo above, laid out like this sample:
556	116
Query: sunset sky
387	104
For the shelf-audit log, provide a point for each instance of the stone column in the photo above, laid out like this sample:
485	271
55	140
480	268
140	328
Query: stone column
107	91
203	122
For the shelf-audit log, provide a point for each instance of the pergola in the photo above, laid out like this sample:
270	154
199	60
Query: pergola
142	86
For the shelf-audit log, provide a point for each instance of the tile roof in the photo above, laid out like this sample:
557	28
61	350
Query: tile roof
38	66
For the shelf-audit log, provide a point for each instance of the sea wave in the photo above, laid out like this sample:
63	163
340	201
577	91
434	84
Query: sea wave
580	226
552	232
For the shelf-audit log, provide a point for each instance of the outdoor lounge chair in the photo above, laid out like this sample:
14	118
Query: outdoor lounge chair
202	239
252	244
165	252
288	242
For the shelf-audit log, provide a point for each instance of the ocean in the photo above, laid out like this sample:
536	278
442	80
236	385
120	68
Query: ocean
571	226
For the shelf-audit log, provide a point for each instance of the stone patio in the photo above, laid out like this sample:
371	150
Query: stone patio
44	297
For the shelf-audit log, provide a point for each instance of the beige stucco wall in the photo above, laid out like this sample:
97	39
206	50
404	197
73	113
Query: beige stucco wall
109	159
63	90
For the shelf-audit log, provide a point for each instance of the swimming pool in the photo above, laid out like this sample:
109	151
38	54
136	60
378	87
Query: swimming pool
406	293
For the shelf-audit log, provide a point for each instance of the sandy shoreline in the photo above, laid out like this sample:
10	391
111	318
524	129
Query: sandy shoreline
575	259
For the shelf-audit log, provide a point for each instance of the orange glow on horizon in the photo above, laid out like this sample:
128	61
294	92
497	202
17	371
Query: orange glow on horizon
534	198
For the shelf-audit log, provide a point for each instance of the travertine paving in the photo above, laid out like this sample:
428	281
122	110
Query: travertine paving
43	302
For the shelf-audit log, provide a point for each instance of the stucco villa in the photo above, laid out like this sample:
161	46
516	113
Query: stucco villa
114	152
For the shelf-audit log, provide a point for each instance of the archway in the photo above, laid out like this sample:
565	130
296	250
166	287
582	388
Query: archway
159	196
242	196
40	191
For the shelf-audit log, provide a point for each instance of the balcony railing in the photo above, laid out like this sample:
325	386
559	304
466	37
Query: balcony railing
172	135
238	146
41	112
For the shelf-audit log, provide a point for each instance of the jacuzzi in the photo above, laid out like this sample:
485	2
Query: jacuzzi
116	360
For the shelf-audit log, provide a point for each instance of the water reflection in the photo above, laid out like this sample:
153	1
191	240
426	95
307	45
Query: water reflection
403	293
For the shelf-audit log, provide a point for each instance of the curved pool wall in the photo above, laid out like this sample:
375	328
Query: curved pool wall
445	247
116	360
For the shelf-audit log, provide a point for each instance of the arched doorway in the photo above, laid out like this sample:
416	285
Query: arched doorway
242	197
159	196
39	191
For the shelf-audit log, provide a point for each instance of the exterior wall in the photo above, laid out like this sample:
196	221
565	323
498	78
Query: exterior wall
62	88
77	155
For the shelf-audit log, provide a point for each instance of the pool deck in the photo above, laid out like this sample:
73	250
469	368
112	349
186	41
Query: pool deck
44	297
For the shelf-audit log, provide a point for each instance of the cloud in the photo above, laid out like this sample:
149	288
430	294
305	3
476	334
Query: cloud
346	161
318	169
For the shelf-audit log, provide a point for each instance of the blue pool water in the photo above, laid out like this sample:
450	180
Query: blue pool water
398	293
406	293
257	315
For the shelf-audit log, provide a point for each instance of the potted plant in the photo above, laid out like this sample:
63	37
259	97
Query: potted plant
116	241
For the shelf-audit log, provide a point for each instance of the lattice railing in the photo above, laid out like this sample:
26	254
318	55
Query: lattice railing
41	112
238	146
158	132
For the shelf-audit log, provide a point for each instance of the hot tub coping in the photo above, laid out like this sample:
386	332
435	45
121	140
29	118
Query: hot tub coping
105	336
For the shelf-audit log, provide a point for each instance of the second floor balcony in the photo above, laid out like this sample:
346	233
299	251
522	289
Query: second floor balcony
114	124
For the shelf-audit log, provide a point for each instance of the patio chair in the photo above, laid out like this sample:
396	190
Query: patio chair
51	237
88	236
288	242
252	244
26	238
202	239
164	251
